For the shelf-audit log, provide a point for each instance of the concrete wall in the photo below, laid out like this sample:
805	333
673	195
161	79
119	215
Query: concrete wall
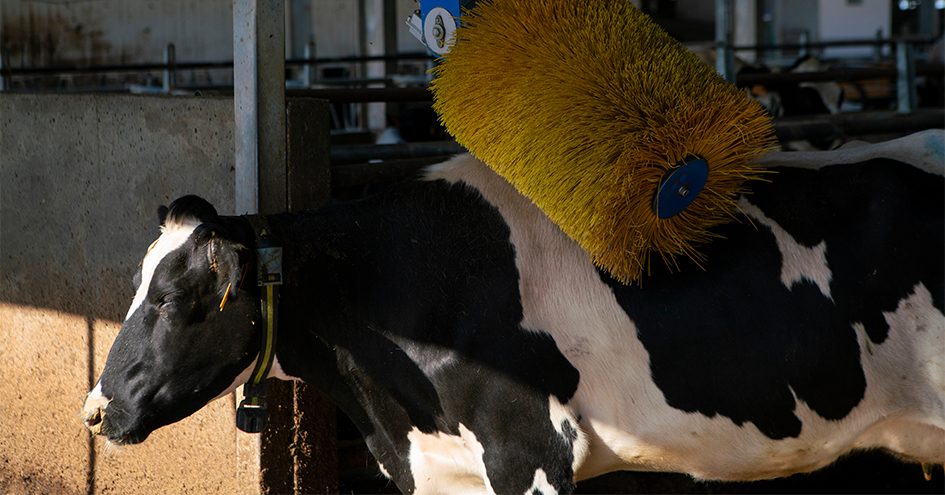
51	33
136	31
844	20
80	180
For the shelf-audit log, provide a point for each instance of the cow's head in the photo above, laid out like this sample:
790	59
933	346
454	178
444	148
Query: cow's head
178	347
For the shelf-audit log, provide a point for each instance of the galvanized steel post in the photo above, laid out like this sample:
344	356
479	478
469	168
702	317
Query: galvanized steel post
170	72
259	100
308	72
905	77
4	63
724	56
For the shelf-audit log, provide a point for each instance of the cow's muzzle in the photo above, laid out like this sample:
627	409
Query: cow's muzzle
93	412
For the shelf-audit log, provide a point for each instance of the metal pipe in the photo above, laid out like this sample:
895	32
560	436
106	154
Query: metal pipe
4	62
308	70
170	75
833	75
878	46
857	124
226	64
915	40
805	44
724	56
361	95
362	174
244	100
259	104
905	78
8	71
833	126
341	155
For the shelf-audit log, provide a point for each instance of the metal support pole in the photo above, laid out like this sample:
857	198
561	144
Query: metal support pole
905	77
295	456
878	47
4	63
724	56
391	22
259	100
927	17
170	72
362	51
308	70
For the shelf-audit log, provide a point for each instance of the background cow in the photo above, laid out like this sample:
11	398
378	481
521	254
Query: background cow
477	349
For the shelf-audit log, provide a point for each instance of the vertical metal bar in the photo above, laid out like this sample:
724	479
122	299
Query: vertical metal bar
259	102
170	71
927	16
878	47
270	97
905	77
245	58
362	66
803	40
308	72
724	57
4	64
390	36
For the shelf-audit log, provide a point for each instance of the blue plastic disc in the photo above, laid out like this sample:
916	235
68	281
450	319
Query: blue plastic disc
680	187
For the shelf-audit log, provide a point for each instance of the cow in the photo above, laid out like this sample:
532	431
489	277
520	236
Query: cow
478	350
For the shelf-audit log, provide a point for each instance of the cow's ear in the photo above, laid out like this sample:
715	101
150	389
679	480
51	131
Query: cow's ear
162	214
224	258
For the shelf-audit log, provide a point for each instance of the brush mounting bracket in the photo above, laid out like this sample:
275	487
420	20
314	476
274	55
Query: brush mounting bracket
680	186
434	22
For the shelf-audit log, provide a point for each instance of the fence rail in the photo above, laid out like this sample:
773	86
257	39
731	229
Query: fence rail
403	160
170	66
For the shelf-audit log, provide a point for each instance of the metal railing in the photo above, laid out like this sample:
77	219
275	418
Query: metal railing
353	165
170	67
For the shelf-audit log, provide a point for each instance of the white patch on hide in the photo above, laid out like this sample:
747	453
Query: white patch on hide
383	470
443	463
798	262
541	485
173	236
904	407
274	372
920	323
95	400
561	414
94	409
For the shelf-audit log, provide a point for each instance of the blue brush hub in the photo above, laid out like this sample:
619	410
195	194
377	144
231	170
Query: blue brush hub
680	187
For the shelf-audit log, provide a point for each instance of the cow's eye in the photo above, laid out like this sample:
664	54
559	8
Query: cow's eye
167	301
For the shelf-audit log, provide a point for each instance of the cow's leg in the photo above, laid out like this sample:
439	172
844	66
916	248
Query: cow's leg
536	450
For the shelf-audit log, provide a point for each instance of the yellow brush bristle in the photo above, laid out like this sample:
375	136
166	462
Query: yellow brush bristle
583	107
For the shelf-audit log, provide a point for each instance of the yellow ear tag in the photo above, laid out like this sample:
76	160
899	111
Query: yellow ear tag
225	296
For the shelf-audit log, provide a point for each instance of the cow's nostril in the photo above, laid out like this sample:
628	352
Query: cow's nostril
94	419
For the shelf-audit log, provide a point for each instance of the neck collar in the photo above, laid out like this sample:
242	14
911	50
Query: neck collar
252	412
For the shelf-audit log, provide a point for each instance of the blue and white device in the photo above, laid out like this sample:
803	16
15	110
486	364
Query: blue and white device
435	21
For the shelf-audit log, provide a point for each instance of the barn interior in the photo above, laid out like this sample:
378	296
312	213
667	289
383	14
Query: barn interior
111	108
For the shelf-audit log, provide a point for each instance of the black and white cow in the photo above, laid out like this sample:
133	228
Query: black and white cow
478	350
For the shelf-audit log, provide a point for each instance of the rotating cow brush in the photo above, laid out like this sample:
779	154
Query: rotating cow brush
621	135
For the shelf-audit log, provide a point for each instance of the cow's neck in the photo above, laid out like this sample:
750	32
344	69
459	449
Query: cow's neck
329	335
313	343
